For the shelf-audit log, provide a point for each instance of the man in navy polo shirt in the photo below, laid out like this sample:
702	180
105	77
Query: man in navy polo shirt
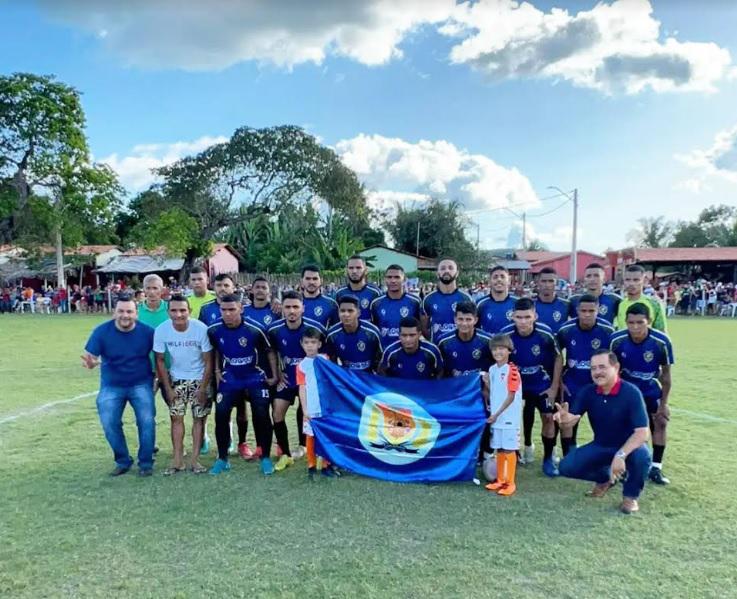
122	345
619	421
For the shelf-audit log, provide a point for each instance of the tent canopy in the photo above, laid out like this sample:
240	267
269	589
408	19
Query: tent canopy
141	264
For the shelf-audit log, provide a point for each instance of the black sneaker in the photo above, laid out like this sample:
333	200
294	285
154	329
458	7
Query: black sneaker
311	473
329	472
145	473
656	476
119	471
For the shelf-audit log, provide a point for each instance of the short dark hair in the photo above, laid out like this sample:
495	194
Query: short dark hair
231	297
198	270
311	333
524	303
638	309
310	268
594	265
394	267
548	270
222	276
493	269
356	257
502	341
125	297
449	259
613	360
588	298
178	297
635	268
260	280
295	295
410	322
349	299
466	308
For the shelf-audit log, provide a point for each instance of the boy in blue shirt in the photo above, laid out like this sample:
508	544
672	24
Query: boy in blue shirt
411	357
354	343
465	350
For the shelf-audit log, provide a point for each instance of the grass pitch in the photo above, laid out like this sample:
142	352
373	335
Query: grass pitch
67	530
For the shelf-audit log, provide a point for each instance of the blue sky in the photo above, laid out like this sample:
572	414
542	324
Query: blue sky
632	102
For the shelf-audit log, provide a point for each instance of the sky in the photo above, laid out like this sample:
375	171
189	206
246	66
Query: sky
490	103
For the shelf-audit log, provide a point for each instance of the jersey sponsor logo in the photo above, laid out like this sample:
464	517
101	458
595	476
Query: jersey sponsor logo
476	354
420	367
361	346
239	361
242	341
535	350
648	356
596	343
396	430
557	316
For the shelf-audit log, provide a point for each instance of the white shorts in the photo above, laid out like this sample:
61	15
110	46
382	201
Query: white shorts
307	428
505	438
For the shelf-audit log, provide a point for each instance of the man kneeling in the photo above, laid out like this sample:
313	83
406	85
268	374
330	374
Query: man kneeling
619	421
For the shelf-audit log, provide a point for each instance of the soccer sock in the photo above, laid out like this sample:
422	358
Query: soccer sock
566	445
262	427
548	445
528	421
241	419
501	461
658	451
282	437
574	436
300	426
311	458
511	467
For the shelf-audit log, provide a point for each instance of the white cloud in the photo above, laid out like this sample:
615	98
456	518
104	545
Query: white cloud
720	160
134	169
395	169
612	47
693	185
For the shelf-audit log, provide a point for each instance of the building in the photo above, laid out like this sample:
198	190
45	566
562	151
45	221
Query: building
560	261
224	259
712	263
379	257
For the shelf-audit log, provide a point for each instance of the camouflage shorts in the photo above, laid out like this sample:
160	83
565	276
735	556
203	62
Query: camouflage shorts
185	393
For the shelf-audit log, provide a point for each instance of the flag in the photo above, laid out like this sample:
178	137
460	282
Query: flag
397	429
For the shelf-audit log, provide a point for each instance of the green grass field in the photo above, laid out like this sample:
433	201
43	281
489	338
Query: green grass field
68	530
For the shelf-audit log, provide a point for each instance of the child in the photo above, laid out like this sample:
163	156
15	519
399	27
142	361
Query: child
311	343
505	406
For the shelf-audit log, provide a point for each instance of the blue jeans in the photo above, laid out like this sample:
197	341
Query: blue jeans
110	405
592	462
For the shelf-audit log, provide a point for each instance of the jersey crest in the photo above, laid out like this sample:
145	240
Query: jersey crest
242	341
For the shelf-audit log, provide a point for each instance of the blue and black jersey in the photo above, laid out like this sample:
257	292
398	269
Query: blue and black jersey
465	357
495	315
425	363
360	350
440	309
387	313
367	294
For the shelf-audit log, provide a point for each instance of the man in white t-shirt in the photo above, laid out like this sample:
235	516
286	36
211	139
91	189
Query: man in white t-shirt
187	382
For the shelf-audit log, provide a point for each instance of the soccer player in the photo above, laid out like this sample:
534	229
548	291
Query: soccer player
579	339
646	356
200	293
309	400
466	350
355	344
186	380
551	309
619	422
496	309
238	344
411	357
388	310
503	391
286	336
356	272
317	307
261	310
438	307
634	285
537	356
123	346
594	279
210	312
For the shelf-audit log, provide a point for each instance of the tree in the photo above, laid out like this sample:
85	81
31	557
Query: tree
651	233
441	227
535	245
715	225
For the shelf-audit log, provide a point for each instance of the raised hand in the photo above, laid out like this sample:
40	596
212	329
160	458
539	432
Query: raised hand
563	416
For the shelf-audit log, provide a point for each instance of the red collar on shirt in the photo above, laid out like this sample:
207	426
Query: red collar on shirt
614	391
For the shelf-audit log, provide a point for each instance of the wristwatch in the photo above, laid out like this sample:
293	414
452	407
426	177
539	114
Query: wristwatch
620	454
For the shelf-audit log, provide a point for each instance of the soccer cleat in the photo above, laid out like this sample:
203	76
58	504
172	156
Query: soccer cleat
329	472
507	490
258	453
298	453
629	506
231	448
279	453
245	451
549	468
311	473
283	463
495	486
205	449
528	455
267	467
656	476
220	466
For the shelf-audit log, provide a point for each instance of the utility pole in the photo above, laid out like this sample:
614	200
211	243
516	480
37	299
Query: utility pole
574	240
524	230
417	243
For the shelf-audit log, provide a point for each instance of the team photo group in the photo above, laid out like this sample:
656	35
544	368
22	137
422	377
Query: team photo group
594	354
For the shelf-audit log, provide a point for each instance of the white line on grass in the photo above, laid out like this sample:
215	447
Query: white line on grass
45	407
703	416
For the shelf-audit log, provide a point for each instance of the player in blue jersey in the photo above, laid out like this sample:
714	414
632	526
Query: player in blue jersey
261	309
593	279
238	344
466	350
551	309
646	356
210	312
388	310
579	339
357	286
496	309
537	356
286	338
353	343
438	307
411	357
318	307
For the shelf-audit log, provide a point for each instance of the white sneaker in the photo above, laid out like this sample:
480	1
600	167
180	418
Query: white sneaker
299	453
528	455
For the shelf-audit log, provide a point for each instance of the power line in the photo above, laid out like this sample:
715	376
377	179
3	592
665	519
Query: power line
519	205
549	211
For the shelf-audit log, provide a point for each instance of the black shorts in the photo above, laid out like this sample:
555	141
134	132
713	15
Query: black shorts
539	401
290	394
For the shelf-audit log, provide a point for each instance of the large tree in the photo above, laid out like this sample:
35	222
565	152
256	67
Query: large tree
651	233
715	225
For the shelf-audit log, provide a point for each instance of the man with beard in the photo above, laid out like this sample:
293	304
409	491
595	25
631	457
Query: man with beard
551	309
123	346
318	307
388	310
286	338
593	280
358	286
438	307
496	309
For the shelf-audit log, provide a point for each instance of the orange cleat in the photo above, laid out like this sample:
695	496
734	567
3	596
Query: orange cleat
507	490
495	486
